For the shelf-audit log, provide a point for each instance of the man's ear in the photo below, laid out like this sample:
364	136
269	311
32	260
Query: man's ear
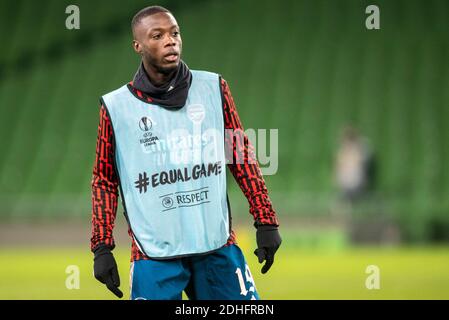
137	47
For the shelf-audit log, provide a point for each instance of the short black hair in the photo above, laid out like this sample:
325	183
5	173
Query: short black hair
145	12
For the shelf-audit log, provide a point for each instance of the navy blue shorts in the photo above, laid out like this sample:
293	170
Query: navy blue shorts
221	275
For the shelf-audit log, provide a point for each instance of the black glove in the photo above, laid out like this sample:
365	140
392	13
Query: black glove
105	269
268	241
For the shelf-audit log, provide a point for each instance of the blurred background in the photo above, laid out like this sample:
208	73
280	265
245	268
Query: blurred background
363	139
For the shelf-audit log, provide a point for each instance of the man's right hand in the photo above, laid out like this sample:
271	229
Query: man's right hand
105	269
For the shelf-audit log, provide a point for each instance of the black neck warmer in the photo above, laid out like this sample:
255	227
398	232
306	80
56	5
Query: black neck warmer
171	94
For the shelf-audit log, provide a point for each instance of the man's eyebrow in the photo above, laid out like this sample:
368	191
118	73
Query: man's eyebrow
162	29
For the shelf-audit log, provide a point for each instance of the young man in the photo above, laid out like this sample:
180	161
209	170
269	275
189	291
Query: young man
161	140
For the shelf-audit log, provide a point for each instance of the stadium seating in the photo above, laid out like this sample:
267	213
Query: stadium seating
306	67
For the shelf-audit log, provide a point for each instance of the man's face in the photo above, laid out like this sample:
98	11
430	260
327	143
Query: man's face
158	40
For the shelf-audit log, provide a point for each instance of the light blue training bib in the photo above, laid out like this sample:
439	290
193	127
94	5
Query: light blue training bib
172	169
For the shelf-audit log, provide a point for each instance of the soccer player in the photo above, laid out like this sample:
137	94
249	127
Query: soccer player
162	142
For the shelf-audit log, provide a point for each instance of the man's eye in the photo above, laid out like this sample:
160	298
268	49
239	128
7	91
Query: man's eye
176	33
156	36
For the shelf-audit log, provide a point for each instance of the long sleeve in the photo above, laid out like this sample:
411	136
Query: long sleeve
104	185
244	166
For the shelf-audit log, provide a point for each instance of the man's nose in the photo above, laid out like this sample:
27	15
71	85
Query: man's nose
170	41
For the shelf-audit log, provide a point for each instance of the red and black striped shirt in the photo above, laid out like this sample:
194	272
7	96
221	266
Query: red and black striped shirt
105	180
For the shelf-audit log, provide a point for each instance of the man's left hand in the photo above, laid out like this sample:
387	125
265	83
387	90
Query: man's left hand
268	242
